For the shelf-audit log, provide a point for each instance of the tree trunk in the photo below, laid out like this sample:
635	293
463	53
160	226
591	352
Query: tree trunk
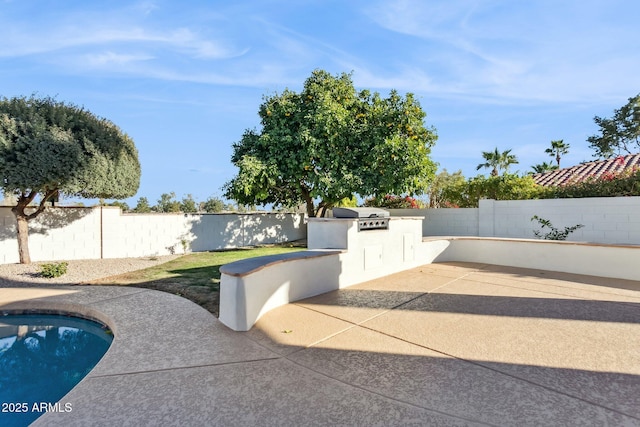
22	220
23	239
311	209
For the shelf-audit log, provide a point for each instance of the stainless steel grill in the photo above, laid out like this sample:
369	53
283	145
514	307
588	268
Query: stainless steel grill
368	218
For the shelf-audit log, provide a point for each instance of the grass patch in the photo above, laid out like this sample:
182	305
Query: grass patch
195	276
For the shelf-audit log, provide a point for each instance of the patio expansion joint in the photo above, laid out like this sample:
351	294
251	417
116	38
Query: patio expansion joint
455	279
497	371
560	293
385	396
360	323
566	296
182	368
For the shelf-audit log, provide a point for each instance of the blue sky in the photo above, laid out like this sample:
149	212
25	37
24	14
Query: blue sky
185	78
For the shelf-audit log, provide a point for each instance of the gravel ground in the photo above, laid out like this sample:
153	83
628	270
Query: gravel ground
78	271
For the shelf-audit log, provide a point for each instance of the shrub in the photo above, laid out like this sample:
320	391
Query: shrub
52	270
394	202
441	186
466	194
607	185
554	234
458	192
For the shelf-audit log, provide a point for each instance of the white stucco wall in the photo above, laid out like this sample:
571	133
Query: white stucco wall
611	220
57	234
444	222
91	233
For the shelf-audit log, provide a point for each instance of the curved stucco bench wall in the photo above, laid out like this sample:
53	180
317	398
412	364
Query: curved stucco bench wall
615	261
339	256
250	288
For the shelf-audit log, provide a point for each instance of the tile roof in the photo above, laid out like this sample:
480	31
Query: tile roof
584	171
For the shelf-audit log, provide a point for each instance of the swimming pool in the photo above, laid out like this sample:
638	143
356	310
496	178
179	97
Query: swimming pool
42	357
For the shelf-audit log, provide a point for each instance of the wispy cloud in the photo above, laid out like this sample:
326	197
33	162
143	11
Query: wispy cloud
488	52
112	58
118	41
516	51
28	41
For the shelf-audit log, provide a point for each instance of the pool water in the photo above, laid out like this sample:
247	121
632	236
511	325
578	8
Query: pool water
42	357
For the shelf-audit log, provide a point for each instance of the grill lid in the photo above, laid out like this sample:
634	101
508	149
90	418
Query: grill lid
360	213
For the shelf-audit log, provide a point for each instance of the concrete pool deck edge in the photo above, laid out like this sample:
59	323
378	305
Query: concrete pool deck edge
174	363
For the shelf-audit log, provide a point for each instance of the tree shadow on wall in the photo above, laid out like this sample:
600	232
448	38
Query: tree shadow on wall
52	218
226	231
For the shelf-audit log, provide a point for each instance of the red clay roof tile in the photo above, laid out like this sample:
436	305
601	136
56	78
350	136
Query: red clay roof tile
584	171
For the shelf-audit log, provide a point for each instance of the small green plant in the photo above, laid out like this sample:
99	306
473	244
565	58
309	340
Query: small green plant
554	234
52	270
185	244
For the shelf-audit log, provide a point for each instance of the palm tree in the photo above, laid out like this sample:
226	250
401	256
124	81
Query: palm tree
558	148
543	167
497	160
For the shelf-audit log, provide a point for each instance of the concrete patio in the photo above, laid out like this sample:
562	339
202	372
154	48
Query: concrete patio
442	344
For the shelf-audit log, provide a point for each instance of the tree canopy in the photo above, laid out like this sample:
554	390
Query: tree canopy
142	206
437	189
557	150
330	142
467	193
48	147
496	160
620	133
543	167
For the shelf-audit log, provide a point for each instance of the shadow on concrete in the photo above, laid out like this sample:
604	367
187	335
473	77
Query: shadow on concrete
479	391
463	378
486	305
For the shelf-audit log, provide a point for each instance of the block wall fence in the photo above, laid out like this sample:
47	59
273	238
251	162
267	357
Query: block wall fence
65	233
91	233
610	220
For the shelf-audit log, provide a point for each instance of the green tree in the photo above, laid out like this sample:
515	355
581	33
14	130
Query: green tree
543	167
167	203
214	205
503	187
620	133
438	188
331	142
142	206
391	201
50	148
496	160
557	150
348	202
188	204
122	205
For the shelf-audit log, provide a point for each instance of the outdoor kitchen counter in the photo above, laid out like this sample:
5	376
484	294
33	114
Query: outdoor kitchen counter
341	252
